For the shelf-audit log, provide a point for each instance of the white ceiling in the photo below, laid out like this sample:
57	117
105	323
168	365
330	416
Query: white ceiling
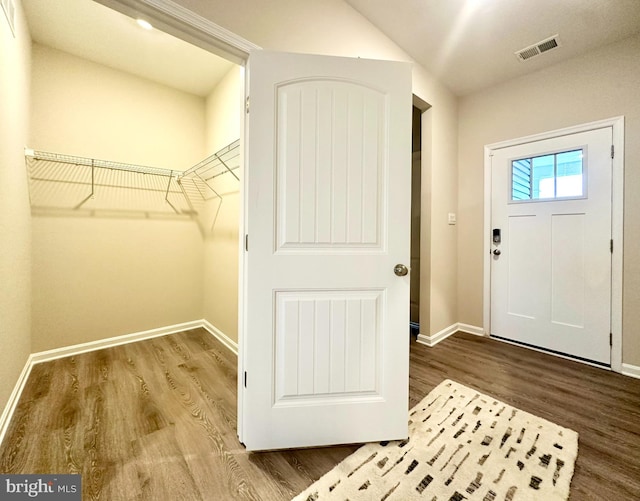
470	44
467	44
89	30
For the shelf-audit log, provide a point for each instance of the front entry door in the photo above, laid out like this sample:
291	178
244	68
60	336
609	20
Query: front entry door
551	237
325	334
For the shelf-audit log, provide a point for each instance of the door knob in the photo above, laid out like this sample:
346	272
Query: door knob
496	252
400	269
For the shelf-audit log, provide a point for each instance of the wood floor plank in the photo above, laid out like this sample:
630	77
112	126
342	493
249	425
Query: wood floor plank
156	419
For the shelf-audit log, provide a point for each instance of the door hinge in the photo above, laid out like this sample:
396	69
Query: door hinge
246	242
611	339
245	379
611	245
247	104
612	151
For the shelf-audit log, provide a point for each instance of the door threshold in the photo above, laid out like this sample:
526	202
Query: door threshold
560	354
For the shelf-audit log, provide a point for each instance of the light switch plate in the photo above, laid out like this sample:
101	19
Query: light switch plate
452	218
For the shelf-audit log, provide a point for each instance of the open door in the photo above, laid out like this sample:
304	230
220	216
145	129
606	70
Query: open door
325	312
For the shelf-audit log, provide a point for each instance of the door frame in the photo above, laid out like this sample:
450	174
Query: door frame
617	229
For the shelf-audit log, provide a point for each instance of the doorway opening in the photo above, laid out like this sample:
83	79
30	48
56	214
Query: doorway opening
416	207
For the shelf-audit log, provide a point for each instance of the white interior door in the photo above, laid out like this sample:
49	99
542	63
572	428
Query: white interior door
325	334
551	269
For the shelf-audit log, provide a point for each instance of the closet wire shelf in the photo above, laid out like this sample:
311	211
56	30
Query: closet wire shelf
85	185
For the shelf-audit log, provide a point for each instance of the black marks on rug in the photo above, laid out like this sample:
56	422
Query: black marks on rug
478	425
457	419
545	459
486	440
501	411
435	458
558	446
489	496
520	465
382	462
476	396
556	474
403	443
482	460
384	443
493	425
457	497
365	486
451	478
390	492
425	419
396	463
424	483
513	413
370	458
511	449
477	410
499	477
521	436
535	482
533	449
511	493
505	437
334	486
460	431
313	496
436	437
411	467
460	446
448	416
475	484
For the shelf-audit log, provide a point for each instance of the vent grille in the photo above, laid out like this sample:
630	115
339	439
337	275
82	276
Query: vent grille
538	48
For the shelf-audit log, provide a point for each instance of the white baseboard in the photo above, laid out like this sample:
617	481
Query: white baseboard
12	403
448	331
631	370
77	349
220	336
471	329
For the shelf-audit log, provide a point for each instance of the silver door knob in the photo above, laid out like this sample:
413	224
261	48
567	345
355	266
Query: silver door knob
400	269
496	252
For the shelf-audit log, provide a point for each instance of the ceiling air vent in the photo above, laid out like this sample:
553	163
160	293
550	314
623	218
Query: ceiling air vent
538	48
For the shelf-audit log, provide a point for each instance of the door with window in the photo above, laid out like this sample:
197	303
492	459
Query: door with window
551	244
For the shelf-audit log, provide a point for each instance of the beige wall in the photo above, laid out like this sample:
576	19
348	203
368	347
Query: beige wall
86	109
96	277
220	290
15	220
332	27
602	84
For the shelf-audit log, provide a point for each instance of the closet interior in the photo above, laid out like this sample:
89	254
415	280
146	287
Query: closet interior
134	178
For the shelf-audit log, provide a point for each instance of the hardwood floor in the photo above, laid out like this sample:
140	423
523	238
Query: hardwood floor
156	420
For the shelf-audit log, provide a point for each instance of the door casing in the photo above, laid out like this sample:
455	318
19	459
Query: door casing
617	208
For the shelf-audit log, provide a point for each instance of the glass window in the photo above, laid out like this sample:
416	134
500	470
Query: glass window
557	175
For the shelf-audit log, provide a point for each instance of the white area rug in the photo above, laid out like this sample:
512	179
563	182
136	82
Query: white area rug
462	445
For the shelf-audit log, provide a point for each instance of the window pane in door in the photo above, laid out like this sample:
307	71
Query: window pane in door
543	177
556	175
569	182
